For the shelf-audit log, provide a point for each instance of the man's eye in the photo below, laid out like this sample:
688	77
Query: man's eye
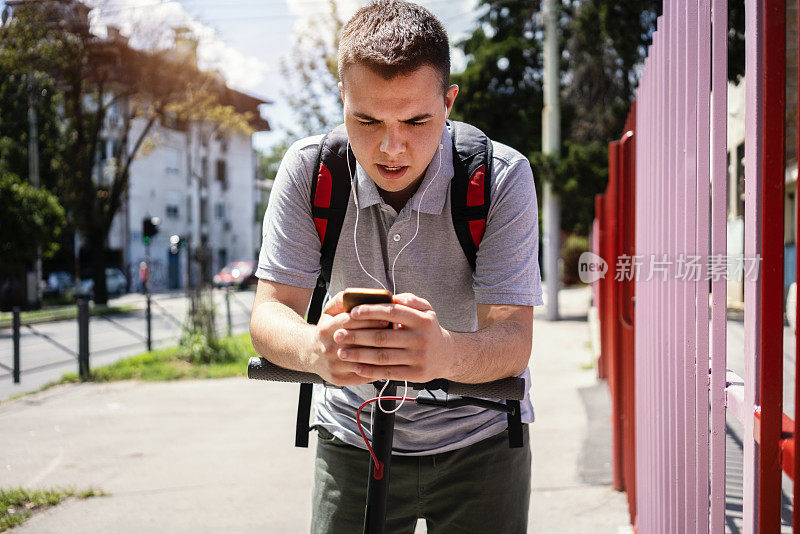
416	123
368	123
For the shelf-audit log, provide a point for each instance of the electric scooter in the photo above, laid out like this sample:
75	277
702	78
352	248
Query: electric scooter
456	394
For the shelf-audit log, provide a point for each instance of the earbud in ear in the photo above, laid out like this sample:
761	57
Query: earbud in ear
441	146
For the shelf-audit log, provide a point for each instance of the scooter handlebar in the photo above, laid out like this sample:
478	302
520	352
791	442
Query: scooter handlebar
511	388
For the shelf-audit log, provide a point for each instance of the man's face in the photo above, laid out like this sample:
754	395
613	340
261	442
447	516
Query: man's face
395	126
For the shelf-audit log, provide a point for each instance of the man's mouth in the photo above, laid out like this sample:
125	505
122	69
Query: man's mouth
392	171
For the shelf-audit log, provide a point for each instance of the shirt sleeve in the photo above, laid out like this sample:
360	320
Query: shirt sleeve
290	246
507	264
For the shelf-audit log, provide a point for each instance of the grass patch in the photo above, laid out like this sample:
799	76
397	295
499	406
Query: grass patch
166	364
60	314
17	504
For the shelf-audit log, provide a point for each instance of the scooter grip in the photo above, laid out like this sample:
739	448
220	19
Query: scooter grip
263	369
511	388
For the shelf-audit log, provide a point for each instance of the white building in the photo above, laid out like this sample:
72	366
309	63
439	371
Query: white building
200	180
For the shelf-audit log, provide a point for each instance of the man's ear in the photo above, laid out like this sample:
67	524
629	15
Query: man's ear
449	99
341	91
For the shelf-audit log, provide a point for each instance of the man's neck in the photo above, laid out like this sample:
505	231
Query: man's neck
398	199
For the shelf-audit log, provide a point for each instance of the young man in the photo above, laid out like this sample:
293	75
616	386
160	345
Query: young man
452	467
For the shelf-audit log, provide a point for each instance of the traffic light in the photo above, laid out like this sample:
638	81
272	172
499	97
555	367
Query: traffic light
176	242
149	228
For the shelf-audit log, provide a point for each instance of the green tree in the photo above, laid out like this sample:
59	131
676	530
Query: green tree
579	175
605	42
34	218
501	86
97	80
312	76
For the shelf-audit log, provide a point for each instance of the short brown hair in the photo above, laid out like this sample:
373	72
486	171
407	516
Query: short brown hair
394	37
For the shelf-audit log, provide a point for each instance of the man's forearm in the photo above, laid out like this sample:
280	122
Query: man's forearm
282	336
500	350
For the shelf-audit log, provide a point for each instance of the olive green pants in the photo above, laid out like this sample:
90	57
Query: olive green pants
481	488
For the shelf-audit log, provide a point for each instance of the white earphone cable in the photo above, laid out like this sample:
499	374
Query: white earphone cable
394	286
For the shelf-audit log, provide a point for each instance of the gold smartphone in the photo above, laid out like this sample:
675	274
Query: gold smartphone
353	296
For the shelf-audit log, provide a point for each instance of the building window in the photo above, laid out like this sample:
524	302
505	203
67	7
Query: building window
203	210
203	172
172	204
173	161
222	174
219	211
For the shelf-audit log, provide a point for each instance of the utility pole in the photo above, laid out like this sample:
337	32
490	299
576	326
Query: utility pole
33	172
551	146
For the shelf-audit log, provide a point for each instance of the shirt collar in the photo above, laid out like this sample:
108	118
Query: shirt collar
434	191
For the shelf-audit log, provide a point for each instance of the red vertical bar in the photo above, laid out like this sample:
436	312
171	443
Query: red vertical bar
796	474
612	207
625	318
771	343
601	298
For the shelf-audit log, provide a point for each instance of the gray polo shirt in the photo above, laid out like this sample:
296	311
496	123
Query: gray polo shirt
432	266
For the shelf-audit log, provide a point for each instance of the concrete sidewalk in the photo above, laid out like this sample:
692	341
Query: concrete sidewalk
218	455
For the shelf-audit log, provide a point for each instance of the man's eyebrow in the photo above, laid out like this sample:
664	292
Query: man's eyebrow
416	118
359	115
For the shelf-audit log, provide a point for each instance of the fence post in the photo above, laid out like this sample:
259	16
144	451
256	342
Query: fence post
83	338
228	309
15	323
149	313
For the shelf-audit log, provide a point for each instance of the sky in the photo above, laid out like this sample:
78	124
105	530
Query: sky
245	39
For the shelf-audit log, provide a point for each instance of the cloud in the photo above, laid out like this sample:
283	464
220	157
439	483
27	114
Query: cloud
149	24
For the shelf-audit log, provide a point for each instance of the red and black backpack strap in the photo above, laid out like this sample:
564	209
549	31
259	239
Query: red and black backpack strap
470	191
330	194
470	196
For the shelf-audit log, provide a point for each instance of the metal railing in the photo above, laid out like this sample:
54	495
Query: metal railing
664	329
81	356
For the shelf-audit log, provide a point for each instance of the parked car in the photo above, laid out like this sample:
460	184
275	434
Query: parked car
238	274
58	284
116	283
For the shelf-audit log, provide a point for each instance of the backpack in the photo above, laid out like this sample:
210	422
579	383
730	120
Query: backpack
470	191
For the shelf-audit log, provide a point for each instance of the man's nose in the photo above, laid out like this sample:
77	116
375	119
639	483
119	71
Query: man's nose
393	143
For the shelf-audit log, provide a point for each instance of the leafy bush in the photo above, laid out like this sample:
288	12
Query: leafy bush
199	342
574	246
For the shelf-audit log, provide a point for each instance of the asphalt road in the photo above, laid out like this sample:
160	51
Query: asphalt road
49	350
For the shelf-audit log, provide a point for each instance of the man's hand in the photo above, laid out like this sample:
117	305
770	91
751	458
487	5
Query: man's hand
325	357
418	349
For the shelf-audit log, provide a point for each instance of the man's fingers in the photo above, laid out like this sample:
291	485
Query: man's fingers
393	313
354	324
376	337
335	305
385	372
412	301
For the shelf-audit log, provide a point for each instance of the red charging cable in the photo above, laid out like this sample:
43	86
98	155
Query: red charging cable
378	470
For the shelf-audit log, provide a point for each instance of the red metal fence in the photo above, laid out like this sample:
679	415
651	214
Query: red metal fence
661	227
